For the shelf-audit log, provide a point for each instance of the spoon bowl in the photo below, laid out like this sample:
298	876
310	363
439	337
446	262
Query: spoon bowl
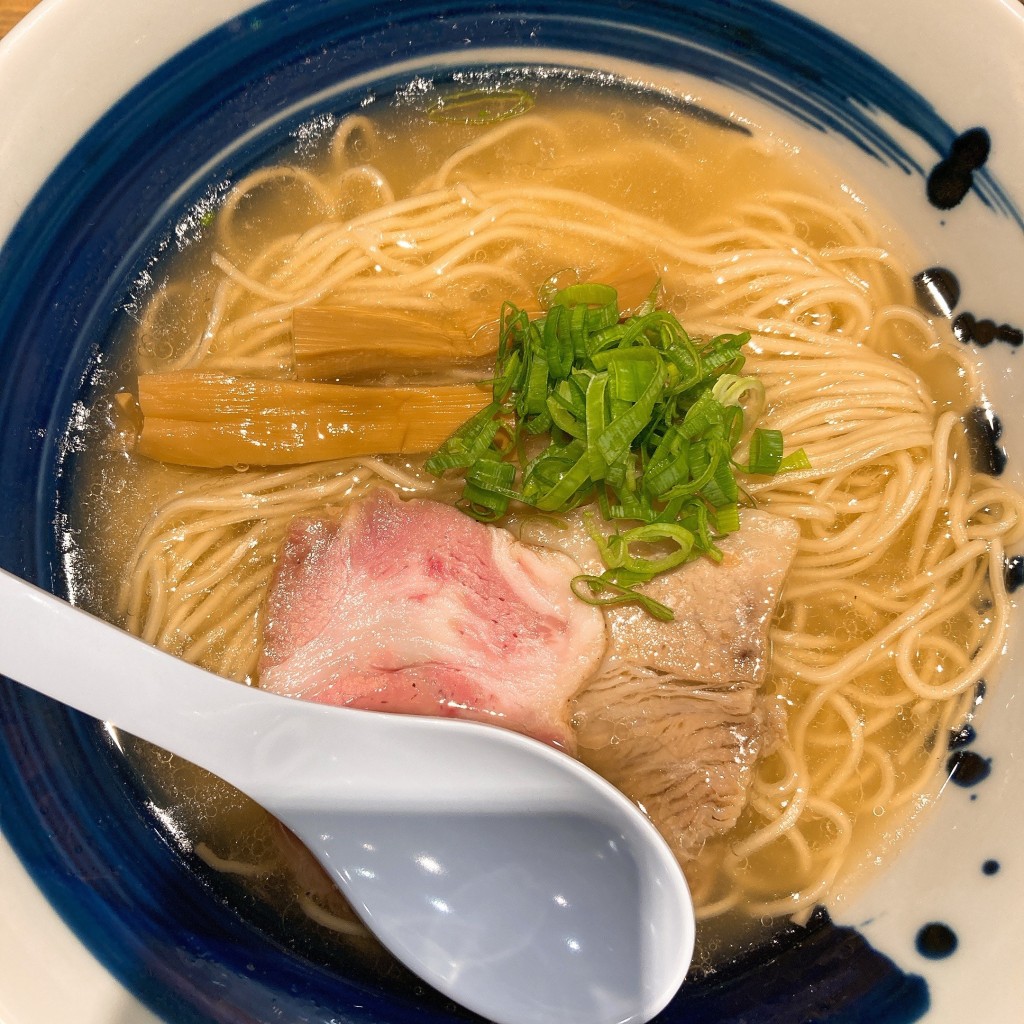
501	871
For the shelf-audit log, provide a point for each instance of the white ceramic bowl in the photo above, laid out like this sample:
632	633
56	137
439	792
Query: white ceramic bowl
72	61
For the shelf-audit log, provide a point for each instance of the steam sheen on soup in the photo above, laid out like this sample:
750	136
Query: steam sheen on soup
773	786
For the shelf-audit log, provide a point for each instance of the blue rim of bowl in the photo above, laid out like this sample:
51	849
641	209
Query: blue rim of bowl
75	816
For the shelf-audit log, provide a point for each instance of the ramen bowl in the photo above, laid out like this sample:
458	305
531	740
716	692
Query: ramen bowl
120	126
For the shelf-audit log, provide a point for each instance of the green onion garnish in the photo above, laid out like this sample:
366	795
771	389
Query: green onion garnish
631	414
480	106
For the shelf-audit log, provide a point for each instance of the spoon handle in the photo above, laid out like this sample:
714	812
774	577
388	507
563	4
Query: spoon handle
269	746
96	668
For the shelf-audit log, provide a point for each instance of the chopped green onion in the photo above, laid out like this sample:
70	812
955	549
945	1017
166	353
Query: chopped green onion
480	106
727	519
794	461
765	452
472	441
606	592
629	413
489	488
616	553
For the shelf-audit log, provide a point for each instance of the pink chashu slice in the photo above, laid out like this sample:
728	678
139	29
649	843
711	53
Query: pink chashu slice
414	607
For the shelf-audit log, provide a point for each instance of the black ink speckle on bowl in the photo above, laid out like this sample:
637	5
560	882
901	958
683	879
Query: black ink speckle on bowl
936	941
969	330
951	178
967	769
984	429
1013	573
962	737
990	867
937	290
963	328
1010	335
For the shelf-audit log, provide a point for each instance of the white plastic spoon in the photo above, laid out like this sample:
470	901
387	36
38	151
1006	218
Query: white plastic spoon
502	872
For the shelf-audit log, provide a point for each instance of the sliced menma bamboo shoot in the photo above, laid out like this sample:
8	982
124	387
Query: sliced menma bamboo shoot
332	342
211	419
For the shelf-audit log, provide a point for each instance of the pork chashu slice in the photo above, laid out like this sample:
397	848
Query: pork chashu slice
674	716
413	607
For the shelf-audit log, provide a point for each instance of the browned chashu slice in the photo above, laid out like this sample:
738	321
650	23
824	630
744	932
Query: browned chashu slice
673	716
